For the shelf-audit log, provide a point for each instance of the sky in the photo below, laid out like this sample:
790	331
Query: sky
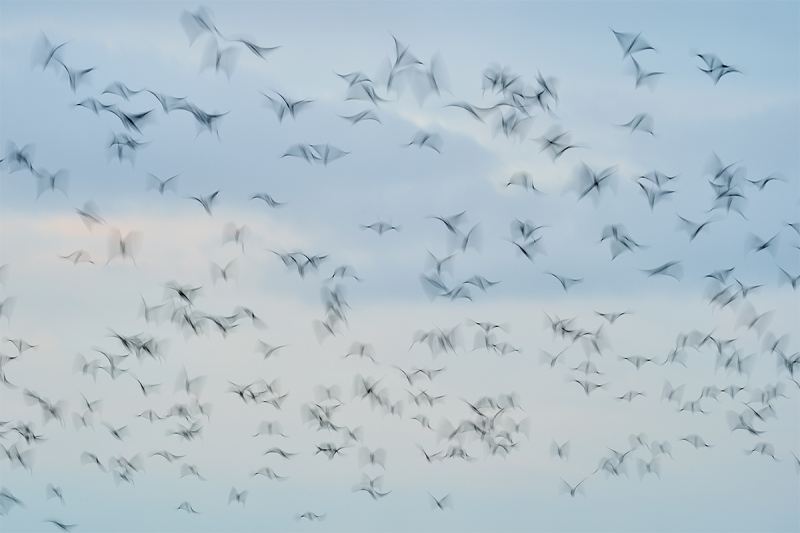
514	138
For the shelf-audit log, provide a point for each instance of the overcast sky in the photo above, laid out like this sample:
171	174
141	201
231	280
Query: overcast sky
716	148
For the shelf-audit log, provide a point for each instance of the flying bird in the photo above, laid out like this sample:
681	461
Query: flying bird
206	201
283	106
631	43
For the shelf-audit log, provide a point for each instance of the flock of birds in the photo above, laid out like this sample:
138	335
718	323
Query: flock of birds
445	427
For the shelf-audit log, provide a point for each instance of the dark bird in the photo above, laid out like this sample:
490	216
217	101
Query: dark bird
268	350
239	497
696	441
764	181
61	525
715	68
282	105
566	283
75	76
756	244
529	249
441	503
205	121
431	140
78	256
693	228
46	51
589	180
588	386
303	151
120	89
560	451
612	317
644	77
268	473
162	185
673	269
170	457
362	116
191	470
259	51
198	23
206	201
556	142
654	194
168	103
46	181
550	359
573	489
478	113
375	457
631	43
371	487
451	222
641	122
380	227
522	179
186	506
327	153
125	247
311	517
788	278
524	230
89	215
651	467
8	500
52	491
131	122
279	451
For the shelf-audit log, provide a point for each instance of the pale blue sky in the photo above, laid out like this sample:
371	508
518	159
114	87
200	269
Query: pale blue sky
748	119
